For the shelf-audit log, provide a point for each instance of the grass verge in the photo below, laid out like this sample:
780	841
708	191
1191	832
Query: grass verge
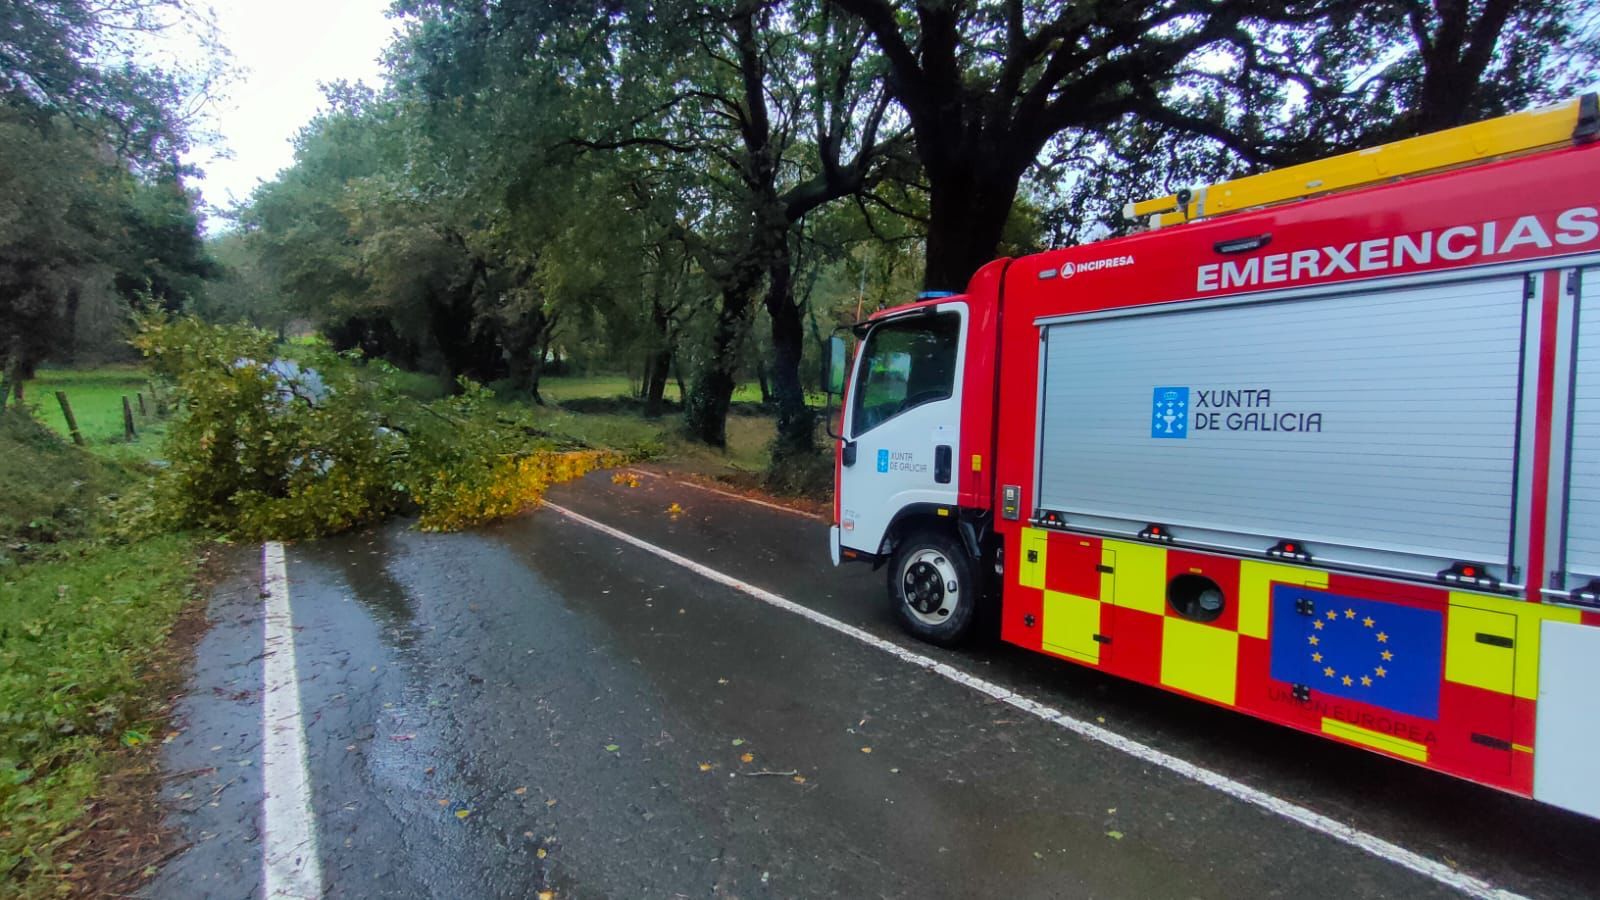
85	657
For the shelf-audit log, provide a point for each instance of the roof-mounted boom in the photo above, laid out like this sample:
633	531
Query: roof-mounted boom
1537	129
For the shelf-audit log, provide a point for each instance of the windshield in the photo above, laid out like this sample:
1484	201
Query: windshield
905	364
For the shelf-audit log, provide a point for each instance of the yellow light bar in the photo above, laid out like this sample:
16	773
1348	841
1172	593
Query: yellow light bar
1479	142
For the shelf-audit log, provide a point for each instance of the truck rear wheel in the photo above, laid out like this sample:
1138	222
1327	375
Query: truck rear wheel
934	588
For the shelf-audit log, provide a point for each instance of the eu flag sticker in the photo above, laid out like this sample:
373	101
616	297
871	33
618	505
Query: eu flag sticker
1171	413
883	460
1382	654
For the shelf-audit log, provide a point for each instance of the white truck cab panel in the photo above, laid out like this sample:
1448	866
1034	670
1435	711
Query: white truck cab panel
903	421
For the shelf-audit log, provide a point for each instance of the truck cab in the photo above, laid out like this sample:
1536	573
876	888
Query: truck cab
914	453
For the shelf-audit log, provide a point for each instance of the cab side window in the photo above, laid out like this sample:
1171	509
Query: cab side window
906	363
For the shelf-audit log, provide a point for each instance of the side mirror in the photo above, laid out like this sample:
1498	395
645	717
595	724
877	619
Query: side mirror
834	362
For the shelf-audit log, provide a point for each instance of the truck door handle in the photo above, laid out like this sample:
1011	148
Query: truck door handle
847	455
941	464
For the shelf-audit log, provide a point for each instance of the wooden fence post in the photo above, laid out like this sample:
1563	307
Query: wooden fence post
128	433
72	421
142	410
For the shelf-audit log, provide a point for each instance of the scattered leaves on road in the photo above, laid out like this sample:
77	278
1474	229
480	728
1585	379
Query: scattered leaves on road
612	748
520	791
738	742
674	510
748	757
463	813
1114	835
799	779
706	767
540	853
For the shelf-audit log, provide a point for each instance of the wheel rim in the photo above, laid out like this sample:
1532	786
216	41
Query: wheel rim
931	588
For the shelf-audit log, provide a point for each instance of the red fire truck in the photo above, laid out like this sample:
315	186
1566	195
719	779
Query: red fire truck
1321	446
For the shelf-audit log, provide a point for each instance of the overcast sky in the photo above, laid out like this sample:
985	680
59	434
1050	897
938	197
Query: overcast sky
283	49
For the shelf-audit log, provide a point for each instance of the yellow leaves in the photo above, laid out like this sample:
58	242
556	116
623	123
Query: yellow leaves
798	779
520	791
504	488
540	853
866	749
463	813
547	895
706	766
626	479
674	510
748	758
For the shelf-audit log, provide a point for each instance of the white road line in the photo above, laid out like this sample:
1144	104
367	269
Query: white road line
711	490
290	866
1339	831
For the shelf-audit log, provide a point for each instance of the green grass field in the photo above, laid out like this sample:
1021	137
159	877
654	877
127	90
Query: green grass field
561	388
748	436
96	399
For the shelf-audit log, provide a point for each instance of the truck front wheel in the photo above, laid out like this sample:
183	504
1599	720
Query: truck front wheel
934	588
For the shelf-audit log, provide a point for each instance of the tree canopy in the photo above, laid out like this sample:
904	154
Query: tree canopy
94	211
703	188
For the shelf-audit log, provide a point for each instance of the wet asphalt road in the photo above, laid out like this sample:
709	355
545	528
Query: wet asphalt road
488	673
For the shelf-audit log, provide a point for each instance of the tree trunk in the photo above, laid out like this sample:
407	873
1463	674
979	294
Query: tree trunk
10	364
796	431
655	384
761	378
967	219
69	331
541	352
705	408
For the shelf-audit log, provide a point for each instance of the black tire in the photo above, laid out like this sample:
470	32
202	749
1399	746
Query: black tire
921	573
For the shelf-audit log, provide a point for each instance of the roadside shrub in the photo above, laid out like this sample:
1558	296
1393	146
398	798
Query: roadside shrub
799	474
269	448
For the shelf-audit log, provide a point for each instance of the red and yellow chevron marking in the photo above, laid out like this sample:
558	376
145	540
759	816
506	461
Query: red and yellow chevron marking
1103	602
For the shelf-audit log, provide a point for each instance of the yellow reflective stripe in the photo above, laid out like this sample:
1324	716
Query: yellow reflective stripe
1376	739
